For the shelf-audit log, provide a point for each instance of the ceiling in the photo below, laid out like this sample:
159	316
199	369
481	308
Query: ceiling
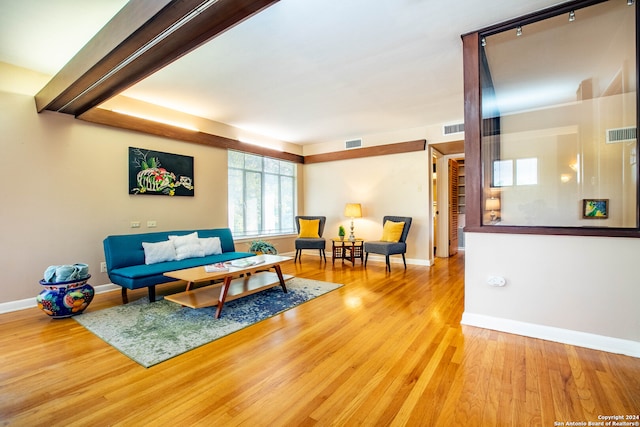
302	71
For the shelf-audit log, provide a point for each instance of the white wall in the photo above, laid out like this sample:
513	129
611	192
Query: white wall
582	290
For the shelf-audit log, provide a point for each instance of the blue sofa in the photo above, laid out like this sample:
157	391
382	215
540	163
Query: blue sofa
125	258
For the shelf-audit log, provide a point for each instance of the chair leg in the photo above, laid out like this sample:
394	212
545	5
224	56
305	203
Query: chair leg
295	259
388	264
324	254
366	257
405	262
125	298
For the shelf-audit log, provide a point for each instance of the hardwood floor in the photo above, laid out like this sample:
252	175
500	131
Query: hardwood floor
387	349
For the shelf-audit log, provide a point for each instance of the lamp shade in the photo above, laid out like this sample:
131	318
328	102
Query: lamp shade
492	204
353	210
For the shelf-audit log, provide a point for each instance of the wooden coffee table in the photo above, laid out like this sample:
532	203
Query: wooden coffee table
236	282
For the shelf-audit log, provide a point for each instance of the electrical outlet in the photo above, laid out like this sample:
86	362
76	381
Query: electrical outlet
496	281
135	224
151	224
103	267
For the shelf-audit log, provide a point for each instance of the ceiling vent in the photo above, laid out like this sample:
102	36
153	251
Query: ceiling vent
451	129
621	135
354	143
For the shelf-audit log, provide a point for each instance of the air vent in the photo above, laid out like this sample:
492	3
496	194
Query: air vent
450	129
354	143
621	135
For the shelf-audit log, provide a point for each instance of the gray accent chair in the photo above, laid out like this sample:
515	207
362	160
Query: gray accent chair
311	243
390	248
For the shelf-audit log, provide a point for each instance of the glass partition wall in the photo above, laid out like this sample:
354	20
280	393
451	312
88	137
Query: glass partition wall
557	118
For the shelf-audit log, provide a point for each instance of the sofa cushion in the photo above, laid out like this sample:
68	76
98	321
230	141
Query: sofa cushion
211	245
158	252
187	246
385	248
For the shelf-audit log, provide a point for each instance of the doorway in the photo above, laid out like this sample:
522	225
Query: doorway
447	209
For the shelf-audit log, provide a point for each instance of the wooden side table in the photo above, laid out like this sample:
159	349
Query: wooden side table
347	250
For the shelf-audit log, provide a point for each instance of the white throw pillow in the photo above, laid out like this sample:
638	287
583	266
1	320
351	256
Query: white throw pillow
211	245
158	252
187	246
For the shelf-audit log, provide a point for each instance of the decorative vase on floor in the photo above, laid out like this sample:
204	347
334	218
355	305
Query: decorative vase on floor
65	299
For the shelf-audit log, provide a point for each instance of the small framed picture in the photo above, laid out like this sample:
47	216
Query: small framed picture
595	208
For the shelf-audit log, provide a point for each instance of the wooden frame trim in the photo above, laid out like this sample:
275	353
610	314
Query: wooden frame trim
472	130
132	46
123	121
473	135
377	150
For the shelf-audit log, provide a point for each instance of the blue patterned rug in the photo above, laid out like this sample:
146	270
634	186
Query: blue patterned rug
153	333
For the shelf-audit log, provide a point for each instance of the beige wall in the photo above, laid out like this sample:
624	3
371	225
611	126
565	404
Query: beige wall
66	188
385	185
432	133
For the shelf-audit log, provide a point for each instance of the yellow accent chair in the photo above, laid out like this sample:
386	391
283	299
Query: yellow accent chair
393	240
310	229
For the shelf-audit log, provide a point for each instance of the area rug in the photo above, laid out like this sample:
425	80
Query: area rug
152	333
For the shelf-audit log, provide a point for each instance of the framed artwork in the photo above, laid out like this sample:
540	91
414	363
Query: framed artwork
595	208
157	173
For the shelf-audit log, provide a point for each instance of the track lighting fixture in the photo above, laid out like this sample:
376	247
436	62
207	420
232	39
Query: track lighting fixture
629	2
519	31
572	16
483	42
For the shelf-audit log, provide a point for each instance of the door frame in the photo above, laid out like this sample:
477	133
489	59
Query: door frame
441	231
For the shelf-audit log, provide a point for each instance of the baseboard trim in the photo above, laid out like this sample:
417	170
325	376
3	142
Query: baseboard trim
549	333
374	258
398	260
7	307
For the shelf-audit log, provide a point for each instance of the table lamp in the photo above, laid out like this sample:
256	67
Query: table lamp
493	205
352	210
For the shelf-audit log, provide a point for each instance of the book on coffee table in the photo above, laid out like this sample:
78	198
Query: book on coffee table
216	267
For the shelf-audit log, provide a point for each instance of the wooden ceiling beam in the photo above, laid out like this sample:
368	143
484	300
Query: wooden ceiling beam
124	121
142	38
376	150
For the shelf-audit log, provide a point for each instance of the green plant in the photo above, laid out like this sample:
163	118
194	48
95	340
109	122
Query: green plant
262	246
341	231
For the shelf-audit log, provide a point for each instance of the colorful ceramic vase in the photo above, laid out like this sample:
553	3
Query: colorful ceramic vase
65	299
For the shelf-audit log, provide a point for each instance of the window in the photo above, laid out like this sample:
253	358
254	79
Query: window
558	118
262	195
526	172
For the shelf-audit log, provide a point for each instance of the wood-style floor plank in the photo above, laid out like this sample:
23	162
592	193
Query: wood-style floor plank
387	349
